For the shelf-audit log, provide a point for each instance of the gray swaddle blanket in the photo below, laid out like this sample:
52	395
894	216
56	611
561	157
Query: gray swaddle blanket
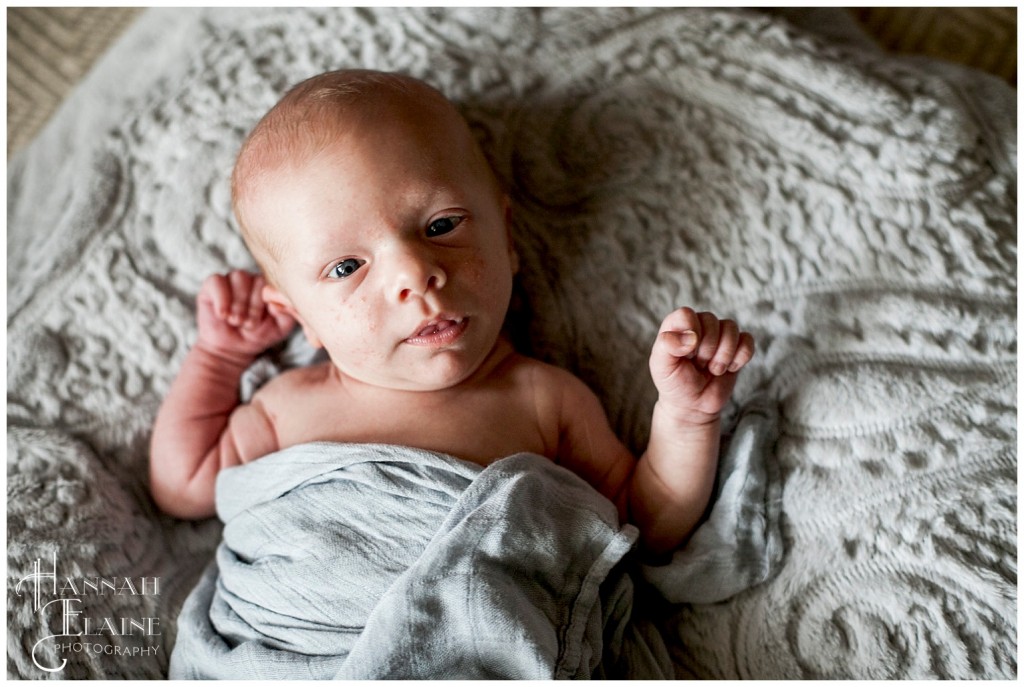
376	561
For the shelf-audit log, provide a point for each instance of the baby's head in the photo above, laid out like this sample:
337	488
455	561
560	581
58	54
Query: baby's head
380	226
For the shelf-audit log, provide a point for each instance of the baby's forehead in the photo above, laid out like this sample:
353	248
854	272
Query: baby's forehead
361	113
373	98
337	114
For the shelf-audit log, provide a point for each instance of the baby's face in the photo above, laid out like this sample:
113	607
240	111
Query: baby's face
393	251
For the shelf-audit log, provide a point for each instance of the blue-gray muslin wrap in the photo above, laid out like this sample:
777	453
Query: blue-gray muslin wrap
376	561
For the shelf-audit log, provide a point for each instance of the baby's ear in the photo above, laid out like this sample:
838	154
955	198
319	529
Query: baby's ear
277	302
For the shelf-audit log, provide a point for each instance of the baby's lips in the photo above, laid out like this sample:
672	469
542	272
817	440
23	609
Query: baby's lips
438	331
436	324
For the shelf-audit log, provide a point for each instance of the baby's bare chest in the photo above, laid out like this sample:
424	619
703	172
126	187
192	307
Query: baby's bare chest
481	426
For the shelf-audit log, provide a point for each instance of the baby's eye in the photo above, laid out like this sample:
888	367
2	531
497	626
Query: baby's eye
442	226
345	268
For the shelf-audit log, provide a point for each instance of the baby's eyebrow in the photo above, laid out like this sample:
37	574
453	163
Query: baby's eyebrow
327	250
418	206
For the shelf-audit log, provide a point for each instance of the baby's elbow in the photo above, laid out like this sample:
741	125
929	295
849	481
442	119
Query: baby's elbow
186	503
621	500
189	497
660	545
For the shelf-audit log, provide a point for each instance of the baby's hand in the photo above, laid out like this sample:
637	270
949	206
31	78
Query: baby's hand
694	363
234	320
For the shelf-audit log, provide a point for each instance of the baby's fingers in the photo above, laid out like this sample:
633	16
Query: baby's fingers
241	291
735	349
680	333
717	346
673	344
668	349
711	335
727	344
679	337
257	309
215	292
744	352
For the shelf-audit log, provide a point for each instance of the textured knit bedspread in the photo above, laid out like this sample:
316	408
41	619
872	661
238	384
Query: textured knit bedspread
855	211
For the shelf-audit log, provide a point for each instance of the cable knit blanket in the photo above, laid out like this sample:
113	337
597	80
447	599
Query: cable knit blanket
856	212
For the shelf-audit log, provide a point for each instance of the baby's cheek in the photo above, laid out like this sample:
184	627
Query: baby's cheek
353	332
357	354
489	274
472	271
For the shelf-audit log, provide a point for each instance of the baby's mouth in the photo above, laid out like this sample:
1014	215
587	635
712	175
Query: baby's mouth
439	332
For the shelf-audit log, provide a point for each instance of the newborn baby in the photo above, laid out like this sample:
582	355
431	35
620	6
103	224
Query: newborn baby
381	230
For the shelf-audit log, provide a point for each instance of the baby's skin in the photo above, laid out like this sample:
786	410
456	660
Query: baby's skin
385	236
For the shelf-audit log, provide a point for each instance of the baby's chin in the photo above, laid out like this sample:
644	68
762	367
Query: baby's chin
415	367
438	374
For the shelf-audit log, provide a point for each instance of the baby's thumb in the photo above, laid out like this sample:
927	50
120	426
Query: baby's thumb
668	348
679	344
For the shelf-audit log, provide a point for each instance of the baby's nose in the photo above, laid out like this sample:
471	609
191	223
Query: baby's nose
416	274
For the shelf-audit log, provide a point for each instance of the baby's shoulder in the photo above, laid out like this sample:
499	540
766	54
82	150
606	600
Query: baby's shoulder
293	381
550	383
561	397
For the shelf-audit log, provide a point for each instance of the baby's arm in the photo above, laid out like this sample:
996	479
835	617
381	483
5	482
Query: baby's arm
666	491
201	428
694	363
